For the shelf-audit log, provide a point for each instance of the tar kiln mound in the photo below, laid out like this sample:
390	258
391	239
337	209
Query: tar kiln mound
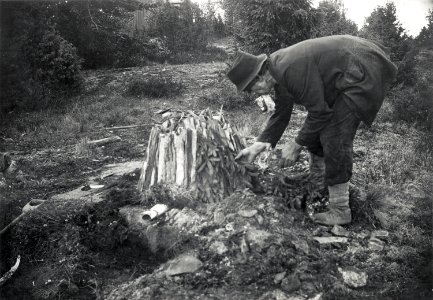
195	153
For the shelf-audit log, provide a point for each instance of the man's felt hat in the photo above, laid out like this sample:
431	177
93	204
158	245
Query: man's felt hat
245	68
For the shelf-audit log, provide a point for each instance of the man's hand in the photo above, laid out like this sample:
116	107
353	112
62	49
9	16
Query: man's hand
290	154
250	153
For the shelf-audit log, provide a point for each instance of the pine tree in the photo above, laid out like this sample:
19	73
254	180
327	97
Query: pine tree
268	25
332	19
425	37
383	26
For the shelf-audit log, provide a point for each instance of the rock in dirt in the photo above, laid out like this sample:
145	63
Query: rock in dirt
185	219
257	238
376	244
291	283
247	213
317	297
415	191
353	277
5	161
319	230
380	234
338	230
330	239
183	264
218	247
301	246
279	277
218	217
260	219
132	215
3	182
118	169
278	295
363	234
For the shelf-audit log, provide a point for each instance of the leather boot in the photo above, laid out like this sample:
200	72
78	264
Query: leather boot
317	170
338	210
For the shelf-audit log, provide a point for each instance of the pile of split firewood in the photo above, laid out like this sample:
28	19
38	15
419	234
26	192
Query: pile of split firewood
196	152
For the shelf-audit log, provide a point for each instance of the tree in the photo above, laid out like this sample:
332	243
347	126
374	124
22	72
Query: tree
383	26
37	65
183	27
268	25
425	37
97	28
332	19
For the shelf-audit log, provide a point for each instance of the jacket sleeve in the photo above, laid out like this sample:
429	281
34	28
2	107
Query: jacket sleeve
305	83
279	120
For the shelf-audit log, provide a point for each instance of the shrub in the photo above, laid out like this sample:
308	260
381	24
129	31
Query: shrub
54	63
268	25
332	20
227	97
383	26
406	68
38	67
412	105
155	87
183	27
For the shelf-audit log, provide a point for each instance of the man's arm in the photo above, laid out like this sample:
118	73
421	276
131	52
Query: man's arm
304	81
279	120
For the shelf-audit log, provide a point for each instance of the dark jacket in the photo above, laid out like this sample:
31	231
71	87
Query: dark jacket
317	72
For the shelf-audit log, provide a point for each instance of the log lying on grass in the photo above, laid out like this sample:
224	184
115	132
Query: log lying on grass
196	153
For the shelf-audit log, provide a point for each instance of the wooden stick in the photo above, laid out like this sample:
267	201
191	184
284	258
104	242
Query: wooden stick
105	140
129	126
11	272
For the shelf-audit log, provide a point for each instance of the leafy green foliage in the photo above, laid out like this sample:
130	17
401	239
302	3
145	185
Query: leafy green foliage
425	37
38	65
183	27
383	26
216	26
332	19
156	87
268	25
97	29
413	105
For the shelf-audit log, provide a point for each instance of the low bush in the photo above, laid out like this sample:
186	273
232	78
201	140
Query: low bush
43	72
155	87
412	105
226	96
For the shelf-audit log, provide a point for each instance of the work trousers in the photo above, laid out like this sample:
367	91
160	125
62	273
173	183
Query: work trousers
335	143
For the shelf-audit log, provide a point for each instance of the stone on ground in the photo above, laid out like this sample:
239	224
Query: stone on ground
354	278
291	283
330	239
247	213
338	230
301	246
183	264
380	234
257	238
376	244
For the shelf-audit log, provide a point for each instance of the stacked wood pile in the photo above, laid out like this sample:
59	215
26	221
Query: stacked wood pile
196	152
